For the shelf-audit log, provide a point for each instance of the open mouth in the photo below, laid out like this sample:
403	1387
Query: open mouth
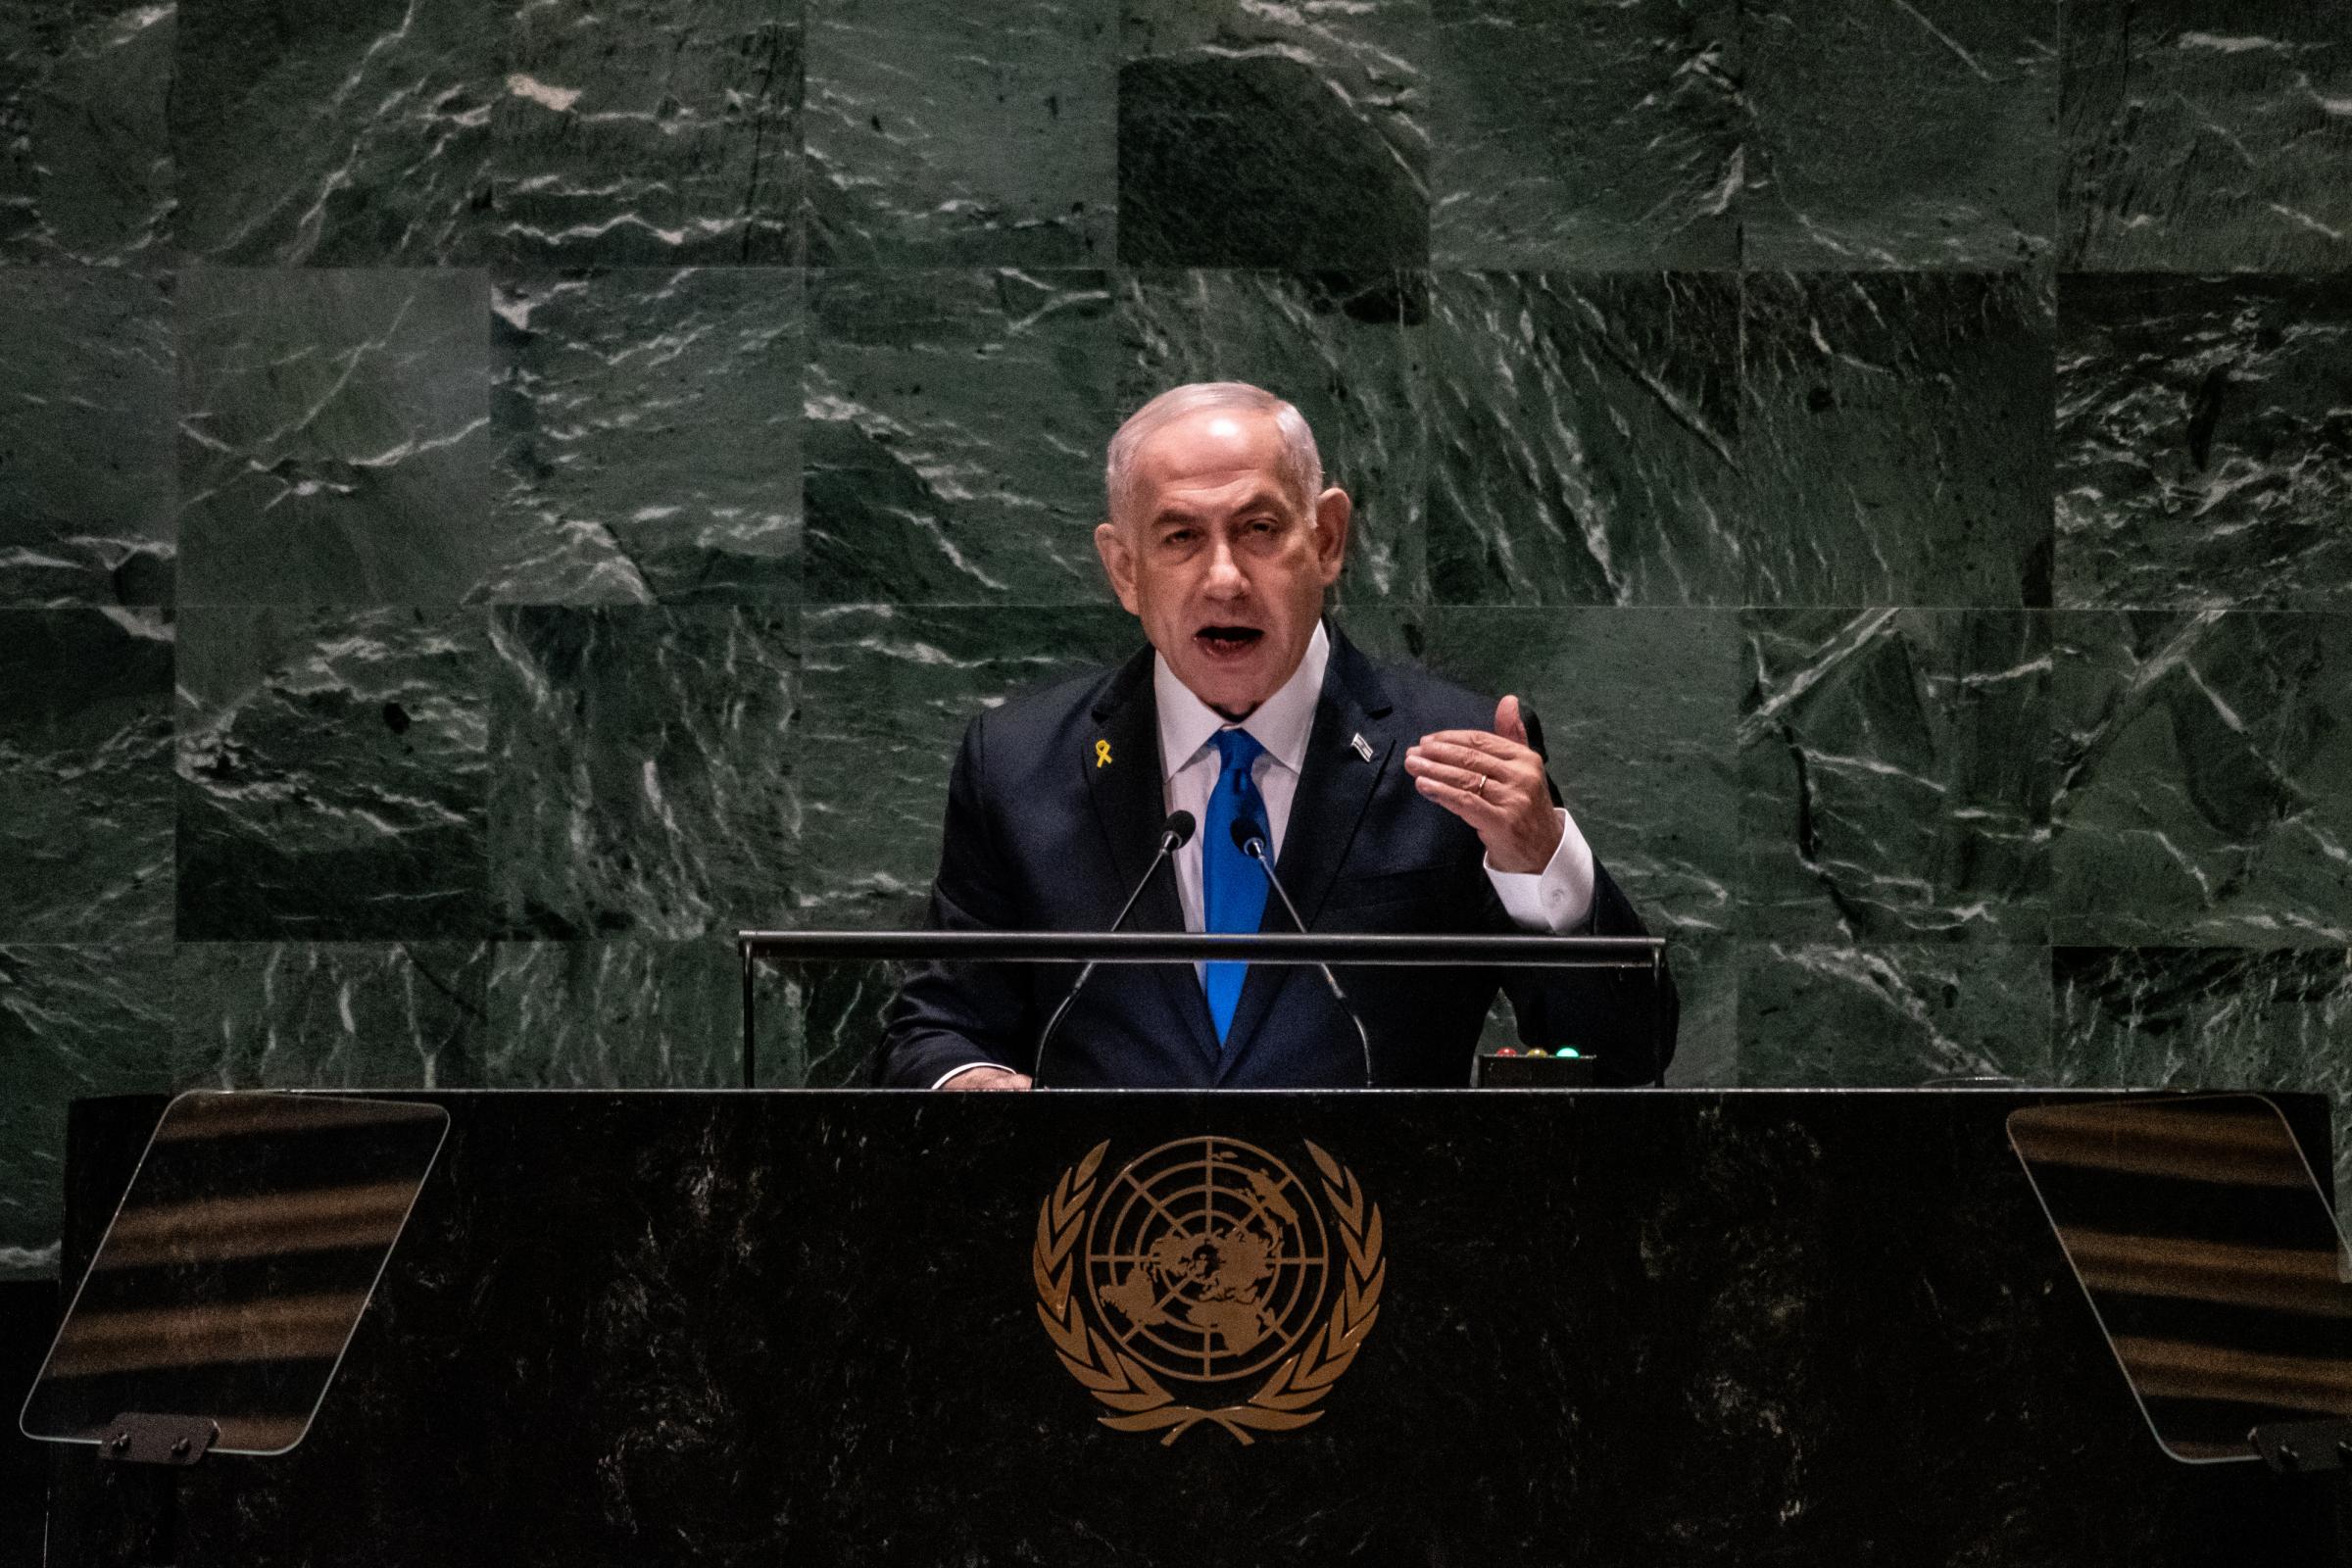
1226	642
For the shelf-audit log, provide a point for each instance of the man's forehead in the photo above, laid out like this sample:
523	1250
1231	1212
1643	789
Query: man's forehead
1208	494
1212	439
1212	462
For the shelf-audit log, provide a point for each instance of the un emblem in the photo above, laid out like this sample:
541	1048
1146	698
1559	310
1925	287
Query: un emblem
1202	1283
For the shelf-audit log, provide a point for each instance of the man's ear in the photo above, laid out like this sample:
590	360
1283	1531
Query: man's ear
1333	513
1119	563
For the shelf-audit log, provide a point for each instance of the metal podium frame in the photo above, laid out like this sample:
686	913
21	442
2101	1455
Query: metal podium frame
1379	948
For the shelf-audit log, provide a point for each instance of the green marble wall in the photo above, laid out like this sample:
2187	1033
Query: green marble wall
494	497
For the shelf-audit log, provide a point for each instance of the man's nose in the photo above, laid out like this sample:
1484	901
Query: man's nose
1224	579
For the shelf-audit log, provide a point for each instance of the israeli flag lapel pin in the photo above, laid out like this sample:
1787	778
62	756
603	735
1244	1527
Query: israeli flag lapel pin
1363	747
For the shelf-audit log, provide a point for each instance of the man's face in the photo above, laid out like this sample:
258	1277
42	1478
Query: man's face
1221	561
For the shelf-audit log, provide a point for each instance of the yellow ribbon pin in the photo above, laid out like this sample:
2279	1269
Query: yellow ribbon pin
1101	753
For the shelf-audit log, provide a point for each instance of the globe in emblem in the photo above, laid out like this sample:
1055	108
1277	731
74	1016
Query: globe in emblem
1206	1258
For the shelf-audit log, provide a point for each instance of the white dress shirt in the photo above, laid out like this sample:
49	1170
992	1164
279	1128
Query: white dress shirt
1555	898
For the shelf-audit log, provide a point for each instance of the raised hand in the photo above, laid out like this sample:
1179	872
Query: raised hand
1492	780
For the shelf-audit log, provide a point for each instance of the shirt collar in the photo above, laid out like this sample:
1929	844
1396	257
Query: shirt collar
1281	723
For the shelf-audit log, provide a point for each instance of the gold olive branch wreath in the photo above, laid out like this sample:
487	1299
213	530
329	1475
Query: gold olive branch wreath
1288	1398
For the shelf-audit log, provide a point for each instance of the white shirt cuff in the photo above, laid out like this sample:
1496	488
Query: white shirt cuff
958	1072
1556	899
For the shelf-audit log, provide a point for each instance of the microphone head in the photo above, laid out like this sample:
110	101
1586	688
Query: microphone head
1248	837
1177	831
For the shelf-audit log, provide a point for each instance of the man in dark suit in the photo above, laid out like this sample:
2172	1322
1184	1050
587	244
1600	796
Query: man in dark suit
1393	802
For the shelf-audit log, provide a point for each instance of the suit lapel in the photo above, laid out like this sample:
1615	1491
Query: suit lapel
1335	786
1130	804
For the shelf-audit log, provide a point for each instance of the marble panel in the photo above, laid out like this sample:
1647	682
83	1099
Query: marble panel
330	1014
339	134
1274	135
2203	139
334	446
85	164
85	776
85	438
1898	433
2204	779
649	131
74	1021
1906	136
334	774
1584	136
2204	442
1344	348
951	134
1892	1016
1706	981
1638	710
953	428
826	1022
645	769
647	426
625	1014
1586	439
1894	776
890	693
2210	1017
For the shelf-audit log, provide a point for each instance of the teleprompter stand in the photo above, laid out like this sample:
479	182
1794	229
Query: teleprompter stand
219	1304
2215	1265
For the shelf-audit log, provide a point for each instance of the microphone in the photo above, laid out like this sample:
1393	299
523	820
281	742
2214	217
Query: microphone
1174	834
1251	840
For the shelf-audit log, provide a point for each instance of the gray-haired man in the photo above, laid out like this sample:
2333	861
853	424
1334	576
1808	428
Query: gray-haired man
1391	801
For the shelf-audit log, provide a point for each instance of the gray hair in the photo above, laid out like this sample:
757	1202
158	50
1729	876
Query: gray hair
1301	465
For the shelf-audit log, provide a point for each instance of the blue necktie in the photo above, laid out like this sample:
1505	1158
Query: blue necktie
1232	888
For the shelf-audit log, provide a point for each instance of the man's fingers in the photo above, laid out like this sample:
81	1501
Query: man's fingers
1477	740
1496	781
1448	765
1500	757
1466	765
1469	780
1472	807
980	1080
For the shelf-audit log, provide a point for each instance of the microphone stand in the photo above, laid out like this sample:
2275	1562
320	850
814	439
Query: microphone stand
1174	834
1250	839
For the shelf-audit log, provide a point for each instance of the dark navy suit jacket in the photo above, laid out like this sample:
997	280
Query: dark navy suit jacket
1040	838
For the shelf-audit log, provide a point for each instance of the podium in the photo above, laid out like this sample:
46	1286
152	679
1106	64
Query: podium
1648	1327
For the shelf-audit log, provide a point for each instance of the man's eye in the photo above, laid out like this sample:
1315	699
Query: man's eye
1261	525
1177	536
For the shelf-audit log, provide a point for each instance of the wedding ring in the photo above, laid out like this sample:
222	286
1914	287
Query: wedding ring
1479	789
